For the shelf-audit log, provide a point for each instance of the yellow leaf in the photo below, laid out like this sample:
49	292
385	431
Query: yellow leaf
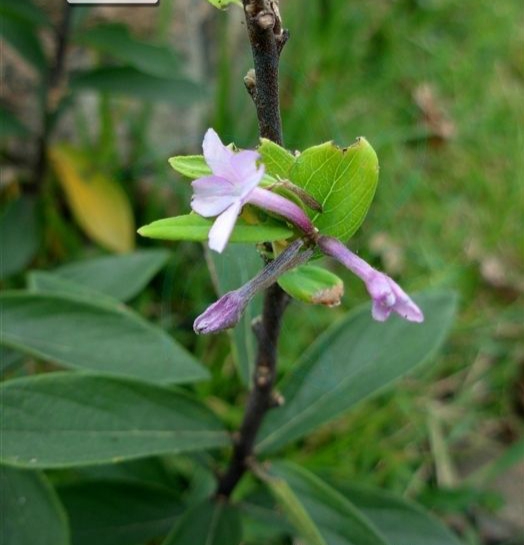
100	206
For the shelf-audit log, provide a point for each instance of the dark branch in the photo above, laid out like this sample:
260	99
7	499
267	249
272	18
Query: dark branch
52	96
267	38
260	398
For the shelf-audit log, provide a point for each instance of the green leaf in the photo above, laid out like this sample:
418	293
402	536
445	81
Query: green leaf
128	81
352	360
196	228
121	277
31	511
115	40
9	359
399	520
230	270
10	125
50	283
25	11
210	523
312	284
191	166
118	513
343	181
195	166
277	160
69	419
93	337
319	513
21	35
18	245
224	3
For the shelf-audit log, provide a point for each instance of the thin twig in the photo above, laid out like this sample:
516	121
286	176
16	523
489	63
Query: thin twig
267	38
51	98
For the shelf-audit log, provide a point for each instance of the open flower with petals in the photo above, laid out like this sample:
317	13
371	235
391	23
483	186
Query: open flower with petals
234	182
386	294
233	178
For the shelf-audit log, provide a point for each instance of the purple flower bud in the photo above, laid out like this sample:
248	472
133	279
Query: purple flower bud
227	311
386	294
222	314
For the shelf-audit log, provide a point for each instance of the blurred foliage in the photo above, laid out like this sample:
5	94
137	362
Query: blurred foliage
436	87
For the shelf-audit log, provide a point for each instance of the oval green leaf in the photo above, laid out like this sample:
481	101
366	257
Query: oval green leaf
128	81
313	285
94	337
343	181
119	513
31	511
319	513
347	364
399	520
121	277
210	523
277	160
195	228
68	419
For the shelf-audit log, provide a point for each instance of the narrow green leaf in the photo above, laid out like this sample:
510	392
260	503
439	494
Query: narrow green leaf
210	523
352	360
117	513
50	283
93	337
319	513
230	270
115	40
68	419
343	181
10	125
224	3
131	82
277	160
191	166
399	520
196	228
295	511
314	285
18	245
121	277
31	511
20	35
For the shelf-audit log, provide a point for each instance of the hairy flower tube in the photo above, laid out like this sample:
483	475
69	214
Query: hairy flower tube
386	294
234	182
227	311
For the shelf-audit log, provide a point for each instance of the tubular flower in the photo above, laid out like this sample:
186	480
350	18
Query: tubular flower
227	311
233	183
386	294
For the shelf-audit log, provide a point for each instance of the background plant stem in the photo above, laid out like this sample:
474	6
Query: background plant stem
50	98
266	44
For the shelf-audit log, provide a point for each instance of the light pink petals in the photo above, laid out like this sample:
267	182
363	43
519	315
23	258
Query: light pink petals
217	156
212	195
247	175
223	227
387	296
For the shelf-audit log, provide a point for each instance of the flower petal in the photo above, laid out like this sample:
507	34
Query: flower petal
217	156
212	195
247	174
379	312
222	228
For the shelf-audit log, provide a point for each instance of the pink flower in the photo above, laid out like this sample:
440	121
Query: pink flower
234	182
386	294
223	194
